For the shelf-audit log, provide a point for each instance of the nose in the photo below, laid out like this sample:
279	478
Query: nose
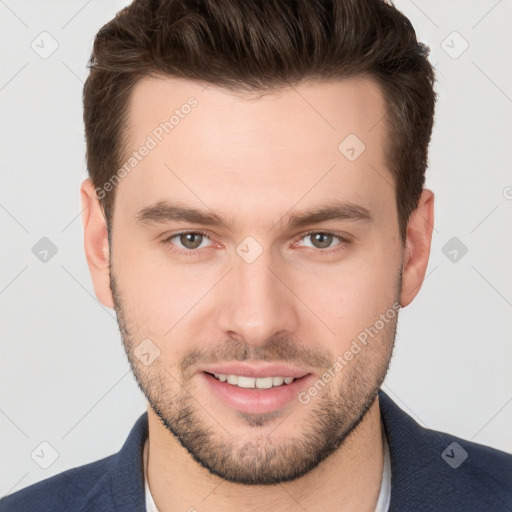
257	301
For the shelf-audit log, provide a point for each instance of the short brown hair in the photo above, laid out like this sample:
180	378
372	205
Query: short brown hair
262	45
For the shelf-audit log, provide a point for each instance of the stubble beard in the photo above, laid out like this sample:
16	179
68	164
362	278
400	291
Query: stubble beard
331	416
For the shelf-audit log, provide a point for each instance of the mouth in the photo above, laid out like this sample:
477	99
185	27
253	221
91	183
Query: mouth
255	390
253	382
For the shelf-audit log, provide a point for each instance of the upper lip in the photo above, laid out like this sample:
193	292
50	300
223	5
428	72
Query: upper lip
255	370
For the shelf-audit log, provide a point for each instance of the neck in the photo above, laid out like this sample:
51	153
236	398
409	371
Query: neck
349	478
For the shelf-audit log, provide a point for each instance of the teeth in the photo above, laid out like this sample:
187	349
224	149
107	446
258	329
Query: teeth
245	382
264	382
278	381
253	382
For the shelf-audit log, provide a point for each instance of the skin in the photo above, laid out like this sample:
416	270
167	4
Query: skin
256	161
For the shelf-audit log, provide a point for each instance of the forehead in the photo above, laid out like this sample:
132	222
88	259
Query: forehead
210	145
327	109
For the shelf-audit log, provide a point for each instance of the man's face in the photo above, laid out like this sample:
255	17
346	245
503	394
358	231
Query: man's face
259	296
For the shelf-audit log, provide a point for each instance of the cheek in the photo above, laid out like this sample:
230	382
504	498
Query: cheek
155	293
352	296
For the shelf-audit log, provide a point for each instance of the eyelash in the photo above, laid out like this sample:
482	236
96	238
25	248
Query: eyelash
195	252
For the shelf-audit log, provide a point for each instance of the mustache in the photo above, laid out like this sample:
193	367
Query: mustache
278	349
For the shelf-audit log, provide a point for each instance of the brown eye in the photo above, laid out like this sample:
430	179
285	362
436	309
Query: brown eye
188	243
191	240
321	240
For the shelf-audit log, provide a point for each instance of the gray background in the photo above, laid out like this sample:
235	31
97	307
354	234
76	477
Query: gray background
65	379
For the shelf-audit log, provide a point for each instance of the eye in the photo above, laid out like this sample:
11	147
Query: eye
323	240
187	242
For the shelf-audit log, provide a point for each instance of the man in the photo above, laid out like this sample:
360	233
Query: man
256	216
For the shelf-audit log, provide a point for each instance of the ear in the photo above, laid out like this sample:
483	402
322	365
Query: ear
96	243
417	247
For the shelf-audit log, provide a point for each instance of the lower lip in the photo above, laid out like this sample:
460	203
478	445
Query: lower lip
256	401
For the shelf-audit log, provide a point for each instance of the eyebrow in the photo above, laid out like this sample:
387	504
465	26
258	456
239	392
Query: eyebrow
164	211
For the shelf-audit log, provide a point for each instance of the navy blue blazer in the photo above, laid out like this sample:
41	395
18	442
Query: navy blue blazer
430	471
